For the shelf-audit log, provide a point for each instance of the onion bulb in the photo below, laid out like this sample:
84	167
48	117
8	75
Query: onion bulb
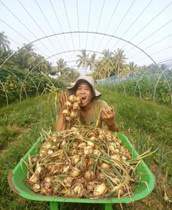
78	189
36	187
89	175
66	112
68	181
46	145
96	152
48	179
91	185
74	172
72	98
88	150
75	159
90	143
34	178
68	118
34	159
78	99
46	185
82	145
116	157
105	166
93	138
65	169
68	104
63	143
73	128
50	152
73	114
100	176
100	190
75	106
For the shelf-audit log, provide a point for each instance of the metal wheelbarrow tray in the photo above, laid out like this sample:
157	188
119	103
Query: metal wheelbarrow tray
18	176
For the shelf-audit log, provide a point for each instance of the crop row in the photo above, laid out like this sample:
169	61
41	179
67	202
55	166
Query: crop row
16	85
148	89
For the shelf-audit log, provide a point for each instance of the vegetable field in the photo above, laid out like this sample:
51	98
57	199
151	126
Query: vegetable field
146	124
16	85
149	83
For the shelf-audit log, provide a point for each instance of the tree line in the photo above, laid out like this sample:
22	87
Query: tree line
106	65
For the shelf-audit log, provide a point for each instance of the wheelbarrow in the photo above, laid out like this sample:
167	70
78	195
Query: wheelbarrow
146	184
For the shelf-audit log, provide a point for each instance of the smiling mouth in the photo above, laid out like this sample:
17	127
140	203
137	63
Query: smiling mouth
83	99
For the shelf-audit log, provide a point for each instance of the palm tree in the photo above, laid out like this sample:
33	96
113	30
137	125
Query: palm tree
25	57
84	60
97	71
4	44
119	61
72	75
107	53
61	66
132	67
106	66
41	65
101	68
91	62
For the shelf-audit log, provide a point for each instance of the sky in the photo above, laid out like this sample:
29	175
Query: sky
62	28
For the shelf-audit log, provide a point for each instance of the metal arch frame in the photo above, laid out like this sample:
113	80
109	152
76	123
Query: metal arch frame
83	32
87	32
6	95
169	87
18	80
154	92
80	32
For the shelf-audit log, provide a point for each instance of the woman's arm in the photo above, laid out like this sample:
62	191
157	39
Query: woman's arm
61	123
113	127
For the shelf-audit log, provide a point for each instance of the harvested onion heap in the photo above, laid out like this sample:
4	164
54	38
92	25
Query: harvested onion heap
71	111
82	162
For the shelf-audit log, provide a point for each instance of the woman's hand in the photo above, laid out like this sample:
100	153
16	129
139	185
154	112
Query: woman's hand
108	116
62	100
61	124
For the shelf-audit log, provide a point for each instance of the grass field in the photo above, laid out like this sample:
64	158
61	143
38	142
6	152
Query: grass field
146	124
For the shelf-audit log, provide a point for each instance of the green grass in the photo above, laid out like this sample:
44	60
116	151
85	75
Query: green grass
146	124
133	113
31	115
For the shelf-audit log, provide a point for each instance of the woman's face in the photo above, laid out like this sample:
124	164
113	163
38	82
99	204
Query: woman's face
85	93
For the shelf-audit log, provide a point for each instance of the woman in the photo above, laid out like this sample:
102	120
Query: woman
92	110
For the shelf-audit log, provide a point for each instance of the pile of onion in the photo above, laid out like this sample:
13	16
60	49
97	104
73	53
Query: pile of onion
82	162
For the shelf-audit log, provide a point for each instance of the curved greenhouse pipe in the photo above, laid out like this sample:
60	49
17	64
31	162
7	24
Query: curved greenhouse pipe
124	89
73	32
51	57
18	80
68	51
154	98
162	74
140	94
6	96
80	32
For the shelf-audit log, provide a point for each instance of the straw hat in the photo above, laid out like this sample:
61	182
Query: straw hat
88	79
